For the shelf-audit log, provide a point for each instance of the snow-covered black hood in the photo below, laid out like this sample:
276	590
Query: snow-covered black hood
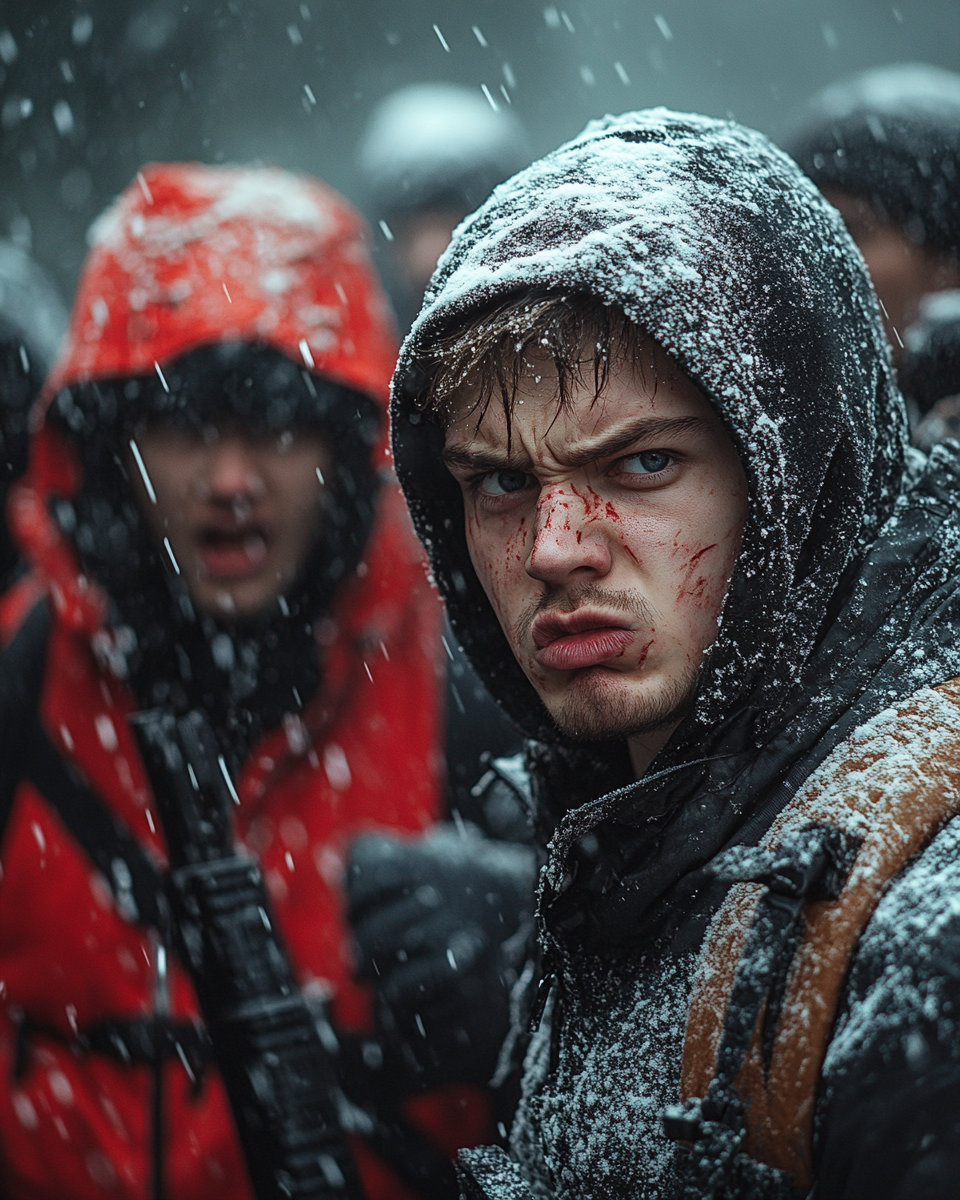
712	240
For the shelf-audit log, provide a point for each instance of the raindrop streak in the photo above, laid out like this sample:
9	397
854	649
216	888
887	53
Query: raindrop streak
135	451
661	22
490	100
386	230
306	353
144	187
624	77
309	91
227	780
169	550
162	380
478	35
446	647
505	94
443	40
320	477
367	669
227	294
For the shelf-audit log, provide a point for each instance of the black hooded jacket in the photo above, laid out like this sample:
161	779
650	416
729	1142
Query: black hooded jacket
844	601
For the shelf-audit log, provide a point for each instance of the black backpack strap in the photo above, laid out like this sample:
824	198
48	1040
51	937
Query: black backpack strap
27	754
134	880
21	678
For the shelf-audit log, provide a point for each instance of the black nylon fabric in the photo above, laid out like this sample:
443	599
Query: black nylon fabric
845	595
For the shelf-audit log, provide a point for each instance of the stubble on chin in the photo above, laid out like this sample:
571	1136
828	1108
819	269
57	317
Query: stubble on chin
592	707
591	710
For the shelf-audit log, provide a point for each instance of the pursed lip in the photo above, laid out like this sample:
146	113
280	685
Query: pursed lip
582	639
550	626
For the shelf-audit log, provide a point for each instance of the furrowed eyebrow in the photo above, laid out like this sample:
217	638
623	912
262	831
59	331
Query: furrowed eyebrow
483	460
621	439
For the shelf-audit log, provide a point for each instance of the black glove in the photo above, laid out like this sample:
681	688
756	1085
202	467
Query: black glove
441	925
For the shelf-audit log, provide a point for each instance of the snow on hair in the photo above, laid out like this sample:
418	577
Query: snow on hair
492	351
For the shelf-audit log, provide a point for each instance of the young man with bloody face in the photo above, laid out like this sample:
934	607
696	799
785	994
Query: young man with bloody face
210	529
604	532
649	434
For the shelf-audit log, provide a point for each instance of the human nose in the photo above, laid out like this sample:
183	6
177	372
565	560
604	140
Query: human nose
232	471
565	542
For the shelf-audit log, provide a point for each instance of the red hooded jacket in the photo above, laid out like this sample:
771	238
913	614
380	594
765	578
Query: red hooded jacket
188	256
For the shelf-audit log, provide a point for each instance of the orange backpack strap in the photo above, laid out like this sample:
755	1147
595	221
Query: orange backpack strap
879	798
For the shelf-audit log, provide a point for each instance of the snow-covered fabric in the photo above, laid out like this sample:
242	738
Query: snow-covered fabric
190	255
844	601
711	240
891	135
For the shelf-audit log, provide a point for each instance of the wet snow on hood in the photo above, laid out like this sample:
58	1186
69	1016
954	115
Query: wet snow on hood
711	239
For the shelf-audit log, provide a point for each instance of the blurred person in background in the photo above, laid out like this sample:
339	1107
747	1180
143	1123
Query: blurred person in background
430	154
211	526
930	371
884	148
33	320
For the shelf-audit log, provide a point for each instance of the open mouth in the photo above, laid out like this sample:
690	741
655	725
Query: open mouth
586	638
232	553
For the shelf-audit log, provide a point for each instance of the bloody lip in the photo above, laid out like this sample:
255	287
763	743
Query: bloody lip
232	554
571	641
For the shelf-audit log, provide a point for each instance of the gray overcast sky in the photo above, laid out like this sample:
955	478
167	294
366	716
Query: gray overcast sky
89	90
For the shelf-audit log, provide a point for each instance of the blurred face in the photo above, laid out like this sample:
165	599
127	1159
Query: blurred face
240	512
605	536
902	272
419	240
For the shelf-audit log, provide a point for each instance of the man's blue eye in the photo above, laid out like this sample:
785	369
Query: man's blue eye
647	462
502	483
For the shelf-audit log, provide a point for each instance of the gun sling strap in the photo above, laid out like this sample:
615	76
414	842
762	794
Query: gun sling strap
776	955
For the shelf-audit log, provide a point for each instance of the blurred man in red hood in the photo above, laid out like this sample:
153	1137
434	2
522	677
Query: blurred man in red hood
211	525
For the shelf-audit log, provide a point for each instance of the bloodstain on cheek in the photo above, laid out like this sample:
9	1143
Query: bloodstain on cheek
612	512
700	553
644	652
695	590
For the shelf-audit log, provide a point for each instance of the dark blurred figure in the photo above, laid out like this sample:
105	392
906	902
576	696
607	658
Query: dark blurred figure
33	320
930	371
431	154
435	919
884	147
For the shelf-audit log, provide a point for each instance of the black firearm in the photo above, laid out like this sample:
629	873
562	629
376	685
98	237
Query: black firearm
267	1042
